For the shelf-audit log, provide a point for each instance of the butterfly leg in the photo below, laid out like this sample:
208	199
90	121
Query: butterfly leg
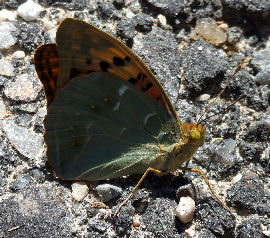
209	186
136	188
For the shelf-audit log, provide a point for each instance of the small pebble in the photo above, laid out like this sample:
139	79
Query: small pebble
23	140
203	97
190	232
185	209
162	20
136	222
29	10
6	15
3	110
19	54
263	76
107	191
237	178
7	32
210	31
38	175
79	191
6	68
261	59
21	182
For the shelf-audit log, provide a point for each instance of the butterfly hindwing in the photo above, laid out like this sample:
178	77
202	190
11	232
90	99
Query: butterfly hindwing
47	66
100	126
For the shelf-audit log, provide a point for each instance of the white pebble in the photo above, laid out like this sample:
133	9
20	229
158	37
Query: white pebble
185	209
130	15
19	54
6	15
79	191
162	20
6	68
29	10
237	178
6	37
203	97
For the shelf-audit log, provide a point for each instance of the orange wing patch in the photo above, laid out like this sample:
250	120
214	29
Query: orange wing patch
47	67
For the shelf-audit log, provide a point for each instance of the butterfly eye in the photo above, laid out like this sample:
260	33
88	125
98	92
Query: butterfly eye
195	134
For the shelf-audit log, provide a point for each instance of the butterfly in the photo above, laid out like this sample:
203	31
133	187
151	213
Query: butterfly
108	115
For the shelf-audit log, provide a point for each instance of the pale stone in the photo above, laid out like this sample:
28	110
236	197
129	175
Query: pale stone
29	10
19	54
210	31
79	191
162	20
6	68
237	178
203	97
6	15
6	37
185	209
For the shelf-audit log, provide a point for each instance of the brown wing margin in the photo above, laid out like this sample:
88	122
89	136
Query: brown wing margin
47	67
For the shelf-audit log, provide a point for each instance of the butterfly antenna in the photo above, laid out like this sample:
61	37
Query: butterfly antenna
218	96
225	109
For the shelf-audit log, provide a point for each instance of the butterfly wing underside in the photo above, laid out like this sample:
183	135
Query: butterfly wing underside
80	149
100	127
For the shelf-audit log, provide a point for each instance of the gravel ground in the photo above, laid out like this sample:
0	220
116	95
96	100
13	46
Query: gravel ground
193	47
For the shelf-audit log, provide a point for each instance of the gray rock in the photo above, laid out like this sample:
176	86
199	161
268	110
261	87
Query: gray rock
27	143
107	192
203	65
263	77
261	59
249	194
256	6
23	88
21	182
250	228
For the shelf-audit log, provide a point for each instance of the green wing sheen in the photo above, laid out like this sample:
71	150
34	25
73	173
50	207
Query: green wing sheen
100	126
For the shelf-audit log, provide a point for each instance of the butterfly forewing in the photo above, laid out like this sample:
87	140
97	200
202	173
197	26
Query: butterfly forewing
83	48
100	126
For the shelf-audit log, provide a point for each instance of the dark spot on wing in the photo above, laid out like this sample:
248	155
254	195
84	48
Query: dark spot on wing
133	81
117	61
88	61
74	72
104	66
127	59
139	76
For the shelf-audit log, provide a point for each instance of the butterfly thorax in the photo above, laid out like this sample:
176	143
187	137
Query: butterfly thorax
171	158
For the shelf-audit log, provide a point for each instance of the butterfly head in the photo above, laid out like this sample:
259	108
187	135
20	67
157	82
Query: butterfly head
194	132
